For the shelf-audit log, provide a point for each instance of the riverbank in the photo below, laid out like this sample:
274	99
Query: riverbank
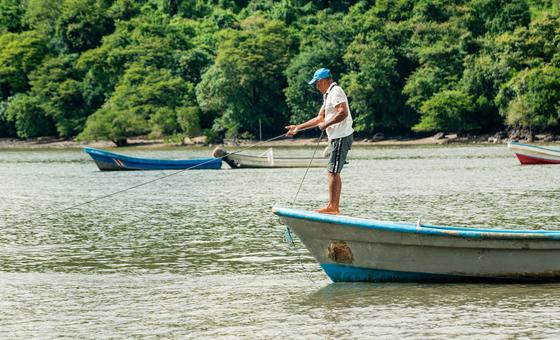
46	142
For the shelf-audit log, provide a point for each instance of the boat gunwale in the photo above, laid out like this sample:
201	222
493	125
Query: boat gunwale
275	158
522	146
405	227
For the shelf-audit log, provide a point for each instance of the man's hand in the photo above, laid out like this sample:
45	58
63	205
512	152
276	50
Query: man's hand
322	126
292	130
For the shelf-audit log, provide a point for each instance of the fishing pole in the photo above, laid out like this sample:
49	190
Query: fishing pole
60	211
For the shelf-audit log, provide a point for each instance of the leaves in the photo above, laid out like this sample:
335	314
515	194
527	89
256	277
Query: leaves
447	111
532	98
118	68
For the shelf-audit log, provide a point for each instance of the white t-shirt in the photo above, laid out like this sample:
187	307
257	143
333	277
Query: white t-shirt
334	96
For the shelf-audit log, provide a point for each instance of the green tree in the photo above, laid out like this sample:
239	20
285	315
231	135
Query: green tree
20	53
499	16
147	100
531	99
249	69
153	39
482	78
394	10
11	15
447	111
41	16
7	128
109	124
57	85
433	10
322	44
82	23
424	83
372	83
29	118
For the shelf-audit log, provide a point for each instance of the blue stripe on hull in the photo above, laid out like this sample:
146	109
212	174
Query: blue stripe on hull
344	273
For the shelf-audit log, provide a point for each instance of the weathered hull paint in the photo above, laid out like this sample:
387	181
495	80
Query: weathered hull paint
110	161
533	154
353	249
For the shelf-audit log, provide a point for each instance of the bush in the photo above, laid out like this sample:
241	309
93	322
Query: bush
447	111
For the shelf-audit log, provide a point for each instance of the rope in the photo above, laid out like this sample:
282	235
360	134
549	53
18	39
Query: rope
60	211
307	170
287	232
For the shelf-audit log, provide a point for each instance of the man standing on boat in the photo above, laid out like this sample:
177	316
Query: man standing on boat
335	118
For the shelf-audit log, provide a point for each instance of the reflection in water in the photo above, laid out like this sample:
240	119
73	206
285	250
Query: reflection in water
200	254
432	310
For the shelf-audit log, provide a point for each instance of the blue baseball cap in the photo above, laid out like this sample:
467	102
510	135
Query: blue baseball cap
321	73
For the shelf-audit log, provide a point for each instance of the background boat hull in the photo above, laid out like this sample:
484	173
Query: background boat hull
247	161
533	154
529	159
108	161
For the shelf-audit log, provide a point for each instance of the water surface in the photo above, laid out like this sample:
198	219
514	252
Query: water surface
199	254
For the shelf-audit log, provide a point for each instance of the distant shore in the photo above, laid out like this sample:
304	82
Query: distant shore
46	142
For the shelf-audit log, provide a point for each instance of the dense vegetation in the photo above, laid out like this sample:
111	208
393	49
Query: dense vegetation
112	69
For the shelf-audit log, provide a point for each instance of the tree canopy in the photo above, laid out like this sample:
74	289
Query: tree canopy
114	69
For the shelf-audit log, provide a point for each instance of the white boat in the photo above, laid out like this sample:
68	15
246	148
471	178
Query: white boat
356	249
268	160
533	154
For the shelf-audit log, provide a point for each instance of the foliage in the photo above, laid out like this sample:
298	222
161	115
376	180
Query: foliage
29	118
7	128
532	98
20	53
153	101
321	45
83	23
56	85
120	68
371	82
247	79
11	15
447	111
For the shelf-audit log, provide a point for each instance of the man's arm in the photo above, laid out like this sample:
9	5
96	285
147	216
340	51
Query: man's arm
341	114
294	129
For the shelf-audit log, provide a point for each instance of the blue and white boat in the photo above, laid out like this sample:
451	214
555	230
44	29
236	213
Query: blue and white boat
356	249
106	160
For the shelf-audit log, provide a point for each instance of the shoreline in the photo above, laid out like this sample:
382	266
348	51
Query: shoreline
54	143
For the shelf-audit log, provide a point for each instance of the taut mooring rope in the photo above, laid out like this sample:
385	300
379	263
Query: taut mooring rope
59	211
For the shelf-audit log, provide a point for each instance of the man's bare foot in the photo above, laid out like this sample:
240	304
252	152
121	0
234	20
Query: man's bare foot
327	210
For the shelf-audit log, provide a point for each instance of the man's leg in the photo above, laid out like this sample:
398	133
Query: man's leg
335	188
339	150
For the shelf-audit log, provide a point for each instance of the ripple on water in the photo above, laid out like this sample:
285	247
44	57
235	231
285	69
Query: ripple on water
200	254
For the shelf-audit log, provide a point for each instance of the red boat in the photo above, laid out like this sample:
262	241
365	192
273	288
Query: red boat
533	154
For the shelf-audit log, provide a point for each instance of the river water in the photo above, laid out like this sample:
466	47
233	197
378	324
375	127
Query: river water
200	254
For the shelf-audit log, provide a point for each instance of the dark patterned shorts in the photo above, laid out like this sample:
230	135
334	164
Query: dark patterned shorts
339	148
